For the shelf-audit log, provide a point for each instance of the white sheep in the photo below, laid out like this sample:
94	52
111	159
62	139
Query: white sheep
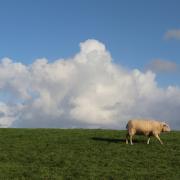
145	127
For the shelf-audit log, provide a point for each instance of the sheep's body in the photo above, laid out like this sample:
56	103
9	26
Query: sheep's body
146	127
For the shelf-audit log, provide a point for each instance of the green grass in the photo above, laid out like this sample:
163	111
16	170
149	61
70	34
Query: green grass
86	154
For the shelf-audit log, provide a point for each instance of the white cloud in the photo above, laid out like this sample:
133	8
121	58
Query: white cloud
7	114
162	66
88	90
172	34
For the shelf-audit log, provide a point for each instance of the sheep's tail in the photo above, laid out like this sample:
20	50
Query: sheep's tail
127	126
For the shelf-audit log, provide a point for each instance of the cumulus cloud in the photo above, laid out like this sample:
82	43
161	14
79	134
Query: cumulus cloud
88	90
162	66
172	34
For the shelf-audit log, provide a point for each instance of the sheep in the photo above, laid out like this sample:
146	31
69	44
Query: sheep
145	127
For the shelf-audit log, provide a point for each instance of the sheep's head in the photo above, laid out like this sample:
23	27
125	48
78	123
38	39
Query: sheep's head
165	127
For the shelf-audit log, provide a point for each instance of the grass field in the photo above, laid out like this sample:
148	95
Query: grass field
86	154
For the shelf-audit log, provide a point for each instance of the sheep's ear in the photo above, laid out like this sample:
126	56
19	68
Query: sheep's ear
164	124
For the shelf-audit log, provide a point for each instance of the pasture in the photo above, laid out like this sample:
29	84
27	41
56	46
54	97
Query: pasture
86	154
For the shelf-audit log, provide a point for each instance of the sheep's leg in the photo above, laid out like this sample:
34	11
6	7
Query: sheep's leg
158	138
148	140
127	135
131	139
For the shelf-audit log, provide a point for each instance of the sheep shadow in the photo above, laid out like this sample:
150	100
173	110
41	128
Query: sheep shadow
115	140
110	140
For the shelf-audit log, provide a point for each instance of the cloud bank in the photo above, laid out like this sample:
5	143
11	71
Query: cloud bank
86	91
162	66
172	34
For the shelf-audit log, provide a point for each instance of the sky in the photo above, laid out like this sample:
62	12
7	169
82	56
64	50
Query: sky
139	40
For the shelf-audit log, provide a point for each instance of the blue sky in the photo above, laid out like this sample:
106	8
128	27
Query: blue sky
92	90
133	31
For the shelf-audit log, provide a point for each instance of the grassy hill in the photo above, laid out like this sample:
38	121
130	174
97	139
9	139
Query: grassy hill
86	154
